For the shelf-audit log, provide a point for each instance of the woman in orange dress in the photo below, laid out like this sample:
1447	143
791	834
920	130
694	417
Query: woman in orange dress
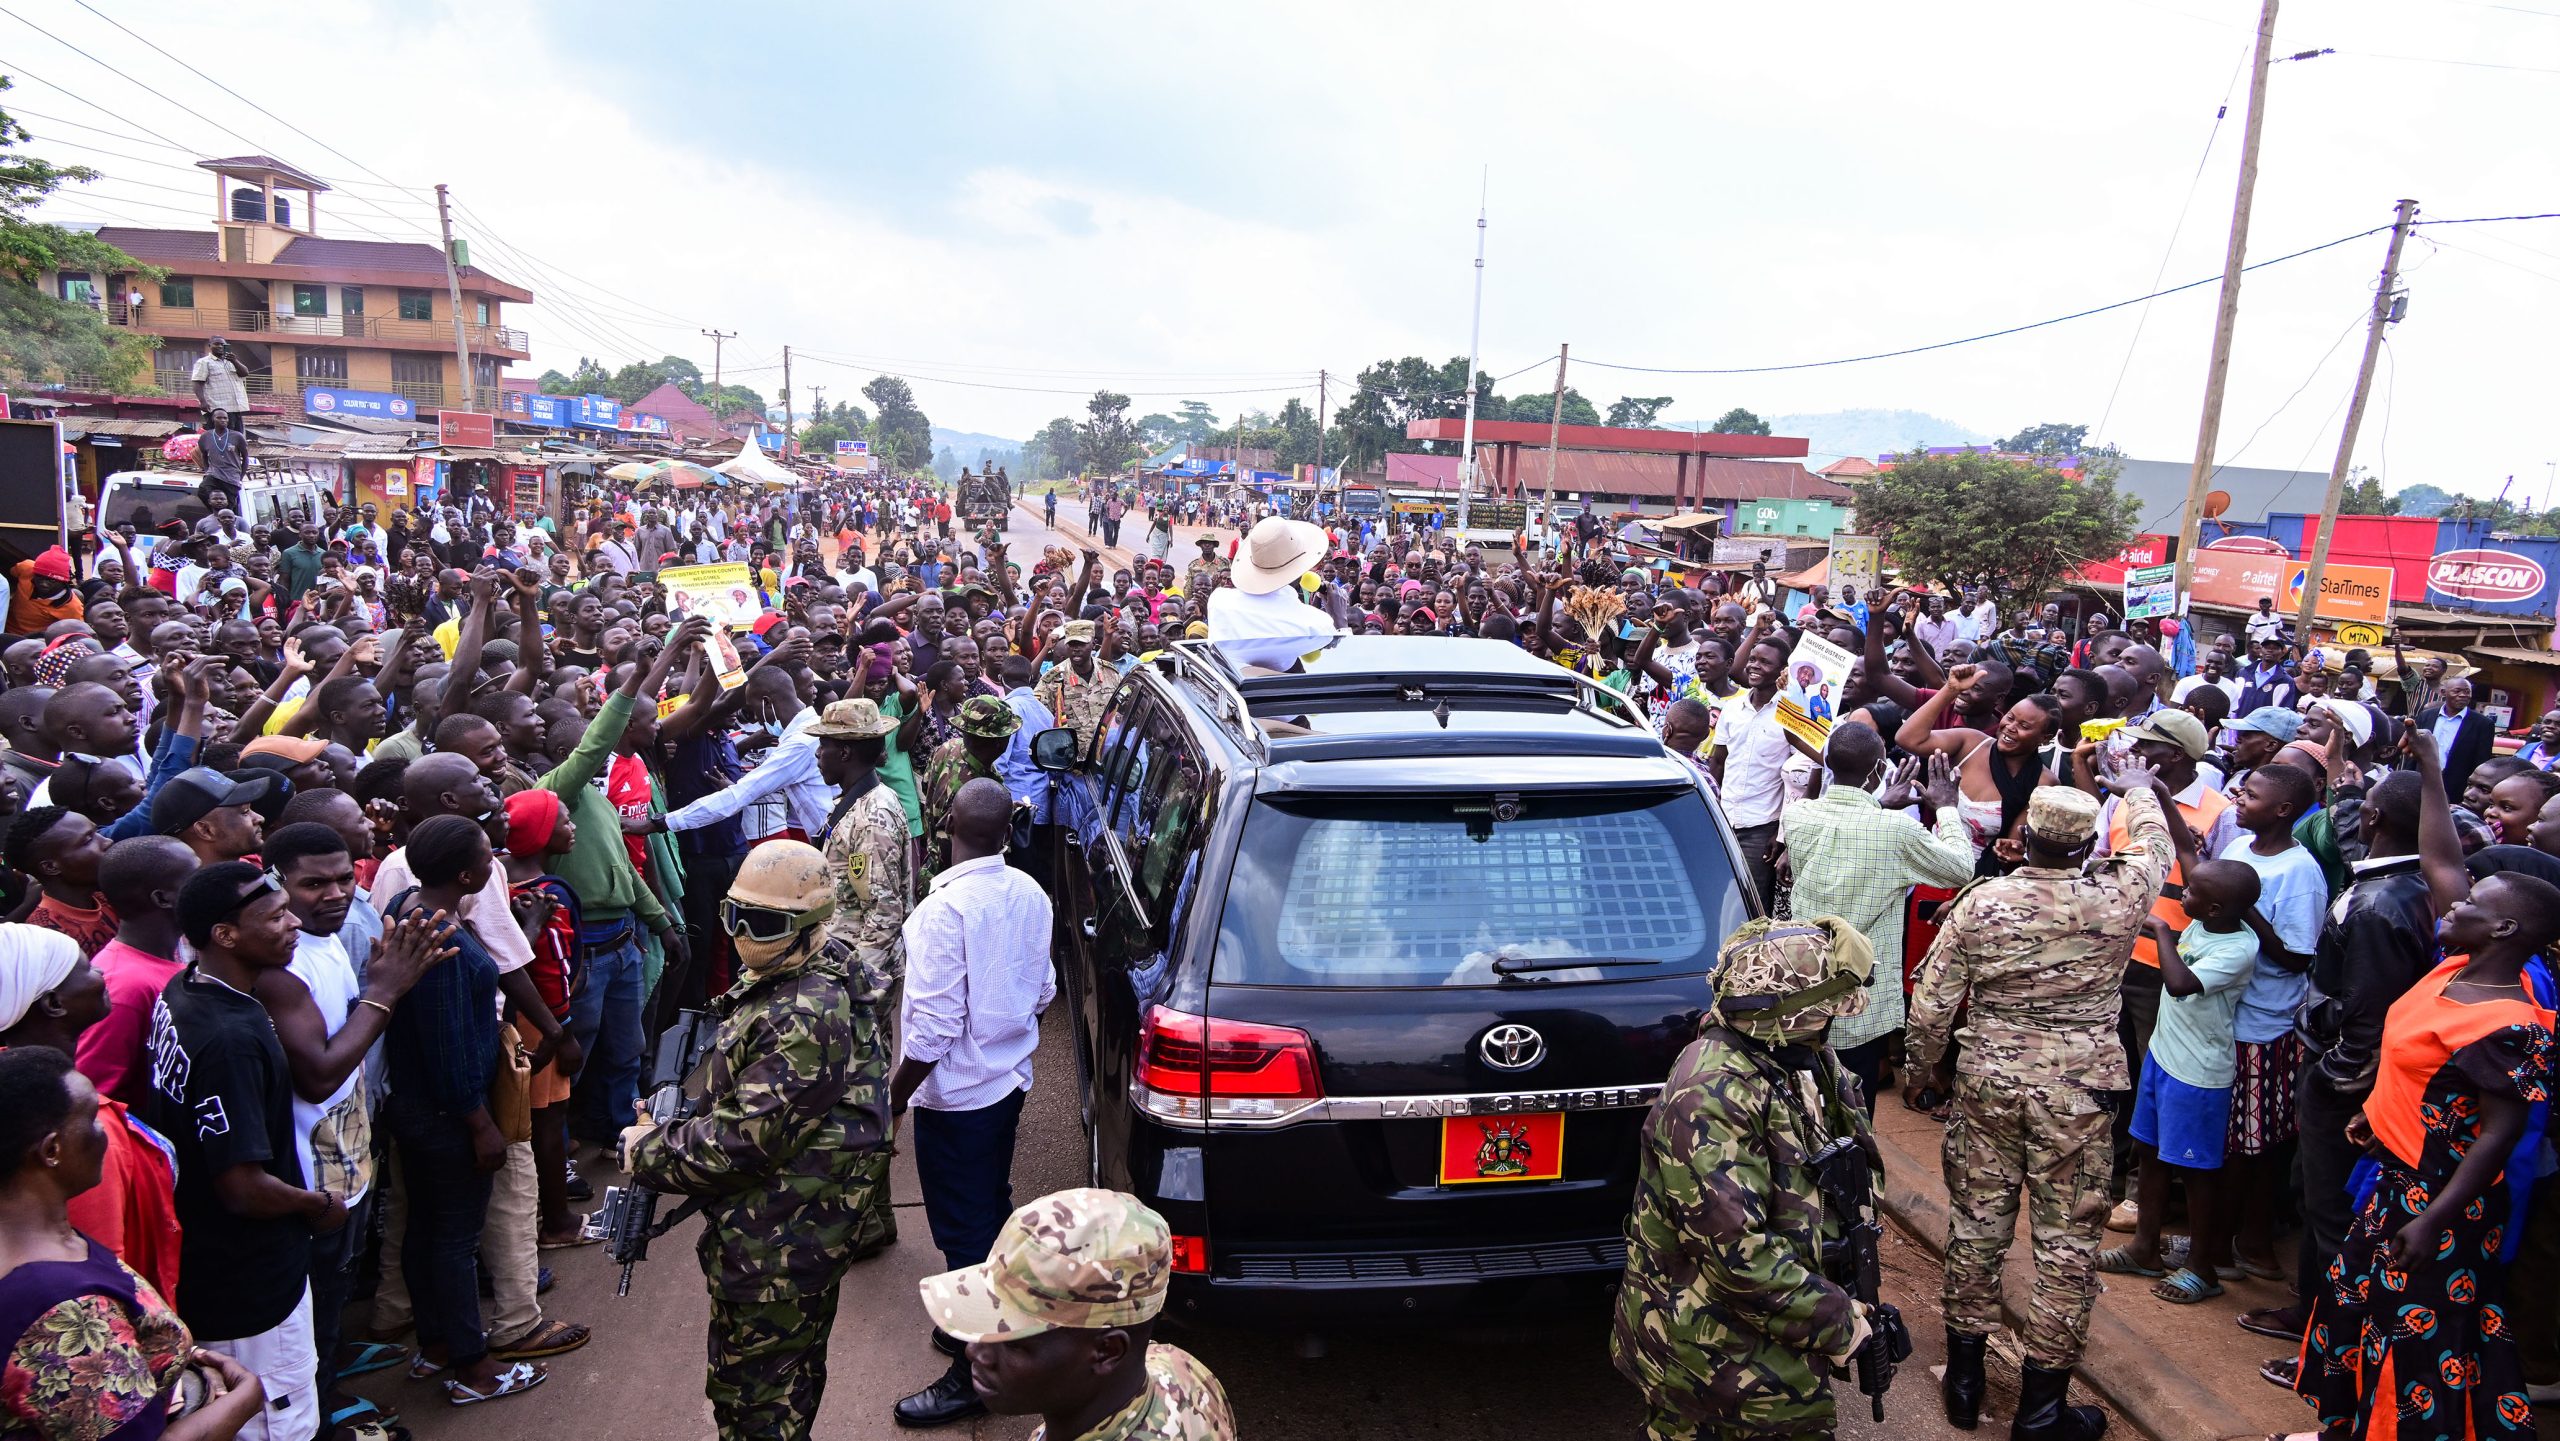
2409	1338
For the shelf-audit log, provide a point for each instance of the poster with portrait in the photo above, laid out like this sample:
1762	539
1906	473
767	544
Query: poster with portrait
1809	695
724	593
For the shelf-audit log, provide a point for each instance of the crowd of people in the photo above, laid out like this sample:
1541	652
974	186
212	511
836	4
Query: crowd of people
351	867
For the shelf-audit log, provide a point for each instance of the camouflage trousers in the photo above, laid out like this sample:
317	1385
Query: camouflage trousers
769	1365
879	1228
2051	1140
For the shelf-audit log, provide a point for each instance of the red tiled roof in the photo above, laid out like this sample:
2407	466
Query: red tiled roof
160	247
683	414
1605	473
1850	465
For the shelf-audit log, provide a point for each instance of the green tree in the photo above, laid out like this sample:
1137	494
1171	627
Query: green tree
1739	421
1056	448
945	464
2363	495
590	378
2013	527
901	436
1539	407
2051	438
1390	395
1108	439
43	336
1639	411
727	400
1194	421
821	438
1297	427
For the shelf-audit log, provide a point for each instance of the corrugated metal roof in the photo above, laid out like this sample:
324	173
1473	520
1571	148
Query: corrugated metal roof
160	247
76	426
1609	473
265	163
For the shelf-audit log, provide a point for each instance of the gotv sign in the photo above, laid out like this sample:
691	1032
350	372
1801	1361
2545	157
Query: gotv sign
2485	575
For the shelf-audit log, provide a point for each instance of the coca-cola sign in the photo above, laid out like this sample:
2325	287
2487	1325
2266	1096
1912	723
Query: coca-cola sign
2485	575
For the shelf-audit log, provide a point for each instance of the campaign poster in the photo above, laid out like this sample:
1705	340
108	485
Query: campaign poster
722	592
1809	697
2150	591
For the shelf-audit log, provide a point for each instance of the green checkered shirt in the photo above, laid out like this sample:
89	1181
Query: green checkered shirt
1854	859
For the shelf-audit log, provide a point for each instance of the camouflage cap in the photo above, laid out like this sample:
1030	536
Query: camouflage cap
1076	630
855	719
1792	975
1078	1259
2062	816
988	718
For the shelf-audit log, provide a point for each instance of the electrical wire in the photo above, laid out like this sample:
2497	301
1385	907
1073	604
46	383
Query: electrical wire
914	378
2362	314
2441	60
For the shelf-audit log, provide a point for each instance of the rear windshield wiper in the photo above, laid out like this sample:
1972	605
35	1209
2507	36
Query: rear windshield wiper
1521	966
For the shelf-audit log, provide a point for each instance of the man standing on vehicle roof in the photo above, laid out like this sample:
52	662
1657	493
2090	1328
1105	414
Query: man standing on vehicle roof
2036	960
1726	1321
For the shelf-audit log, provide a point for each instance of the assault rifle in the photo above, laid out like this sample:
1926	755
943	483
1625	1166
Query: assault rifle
628	1220
1847	1183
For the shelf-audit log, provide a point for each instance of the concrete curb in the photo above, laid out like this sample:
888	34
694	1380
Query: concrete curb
2155	1395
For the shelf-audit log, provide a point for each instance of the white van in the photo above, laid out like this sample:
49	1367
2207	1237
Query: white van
150	499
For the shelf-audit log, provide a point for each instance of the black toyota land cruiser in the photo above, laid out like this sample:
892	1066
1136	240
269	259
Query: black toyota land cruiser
1374	967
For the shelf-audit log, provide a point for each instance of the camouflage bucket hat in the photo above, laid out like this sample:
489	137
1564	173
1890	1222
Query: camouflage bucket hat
1792	976
1077	1259
987	717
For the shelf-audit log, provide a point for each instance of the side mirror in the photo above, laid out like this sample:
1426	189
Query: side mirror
1054	750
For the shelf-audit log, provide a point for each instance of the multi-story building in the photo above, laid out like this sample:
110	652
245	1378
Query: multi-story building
321	324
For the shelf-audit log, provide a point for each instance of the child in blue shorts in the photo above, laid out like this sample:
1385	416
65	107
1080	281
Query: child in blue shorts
2182	1103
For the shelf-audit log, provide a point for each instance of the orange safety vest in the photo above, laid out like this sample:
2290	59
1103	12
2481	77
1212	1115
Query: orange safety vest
2171	904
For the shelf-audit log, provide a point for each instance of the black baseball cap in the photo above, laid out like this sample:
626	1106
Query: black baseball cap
199	791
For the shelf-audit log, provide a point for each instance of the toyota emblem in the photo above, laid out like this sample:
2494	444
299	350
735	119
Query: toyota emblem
1512	1048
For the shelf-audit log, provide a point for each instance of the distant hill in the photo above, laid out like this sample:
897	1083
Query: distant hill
1871	433
967	446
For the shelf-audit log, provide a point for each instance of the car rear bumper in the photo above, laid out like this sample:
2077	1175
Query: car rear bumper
1297	1287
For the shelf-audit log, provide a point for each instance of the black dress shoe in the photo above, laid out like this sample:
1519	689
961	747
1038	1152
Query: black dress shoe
950	1398
950	1345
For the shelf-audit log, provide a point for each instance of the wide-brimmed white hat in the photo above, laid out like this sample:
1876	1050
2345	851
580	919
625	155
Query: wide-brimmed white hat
1276	553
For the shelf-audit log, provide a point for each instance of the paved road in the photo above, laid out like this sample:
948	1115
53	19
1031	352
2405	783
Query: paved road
641	1379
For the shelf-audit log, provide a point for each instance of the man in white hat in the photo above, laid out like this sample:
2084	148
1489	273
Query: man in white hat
1261	619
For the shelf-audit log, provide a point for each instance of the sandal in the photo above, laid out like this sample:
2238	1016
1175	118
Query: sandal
2119	1261
2185	1287
570	1239
2282	1371
2270	1321
372	1356
371	1431
2181	1253
551	1338
361	1413
422	1369
521	1377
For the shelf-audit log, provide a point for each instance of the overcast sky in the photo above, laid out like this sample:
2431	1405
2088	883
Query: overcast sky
1187	200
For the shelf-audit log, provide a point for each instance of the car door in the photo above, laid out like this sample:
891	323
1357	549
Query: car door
1085	886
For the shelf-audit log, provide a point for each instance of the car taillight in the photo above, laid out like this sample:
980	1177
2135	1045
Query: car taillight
1193	1068
1191	1254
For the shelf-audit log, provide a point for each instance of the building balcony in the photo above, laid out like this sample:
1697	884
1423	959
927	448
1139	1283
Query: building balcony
197	323
274	394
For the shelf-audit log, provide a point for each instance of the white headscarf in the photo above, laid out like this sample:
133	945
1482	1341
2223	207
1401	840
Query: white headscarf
33	961
2351	717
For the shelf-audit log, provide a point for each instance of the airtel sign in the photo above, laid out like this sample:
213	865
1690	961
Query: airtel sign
2485	575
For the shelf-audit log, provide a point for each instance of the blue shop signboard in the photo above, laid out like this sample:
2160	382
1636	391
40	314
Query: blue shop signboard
602	411
373	404
533	409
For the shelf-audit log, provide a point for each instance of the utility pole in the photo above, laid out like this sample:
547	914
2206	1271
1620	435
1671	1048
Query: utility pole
718	336
453	292
2226	319
2388	306
1475	336
1555	426
1321	378
788	424
817	405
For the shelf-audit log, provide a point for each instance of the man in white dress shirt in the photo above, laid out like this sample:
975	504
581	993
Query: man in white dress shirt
789	770
978	977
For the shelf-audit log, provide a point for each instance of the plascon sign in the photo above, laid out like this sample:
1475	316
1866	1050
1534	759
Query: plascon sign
2485	575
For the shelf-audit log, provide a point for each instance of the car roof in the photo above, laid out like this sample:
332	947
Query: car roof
1363	697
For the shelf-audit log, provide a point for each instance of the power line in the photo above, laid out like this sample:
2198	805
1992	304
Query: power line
1308	384
1989	334
2441	60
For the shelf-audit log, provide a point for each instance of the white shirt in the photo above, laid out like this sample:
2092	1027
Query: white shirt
2229	685
791	768
978	977
341	1127
1755	759
1266	630
2268	626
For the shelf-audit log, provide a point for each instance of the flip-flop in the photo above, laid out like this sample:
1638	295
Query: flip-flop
2252	1269
2281	1372
422	1369
372	1356
2118	1261
576	1237
361	1412
551	1338
2184	1287
517	1379
2257	1323
2181	1252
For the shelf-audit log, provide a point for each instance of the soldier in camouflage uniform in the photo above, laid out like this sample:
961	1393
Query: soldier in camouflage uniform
868	857
985	724
2035	959
1078	688
1725	1319
786	1147
1058	1321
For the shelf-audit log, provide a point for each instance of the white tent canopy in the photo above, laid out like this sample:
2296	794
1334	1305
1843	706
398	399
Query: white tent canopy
752	464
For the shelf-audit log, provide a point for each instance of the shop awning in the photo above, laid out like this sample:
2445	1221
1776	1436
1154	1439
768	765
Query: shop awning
2520	655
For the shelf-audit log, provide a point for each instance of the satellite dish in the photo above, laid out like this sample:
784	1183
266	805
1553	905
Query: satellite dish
2216	503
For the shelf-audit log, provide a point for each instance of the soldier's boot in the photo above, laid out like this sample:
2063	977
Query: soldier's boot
2041	1414
1962	1388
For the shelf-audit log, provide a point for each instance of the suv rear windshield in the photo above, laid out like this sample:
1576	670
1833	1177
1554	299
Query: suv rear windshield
1430	891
